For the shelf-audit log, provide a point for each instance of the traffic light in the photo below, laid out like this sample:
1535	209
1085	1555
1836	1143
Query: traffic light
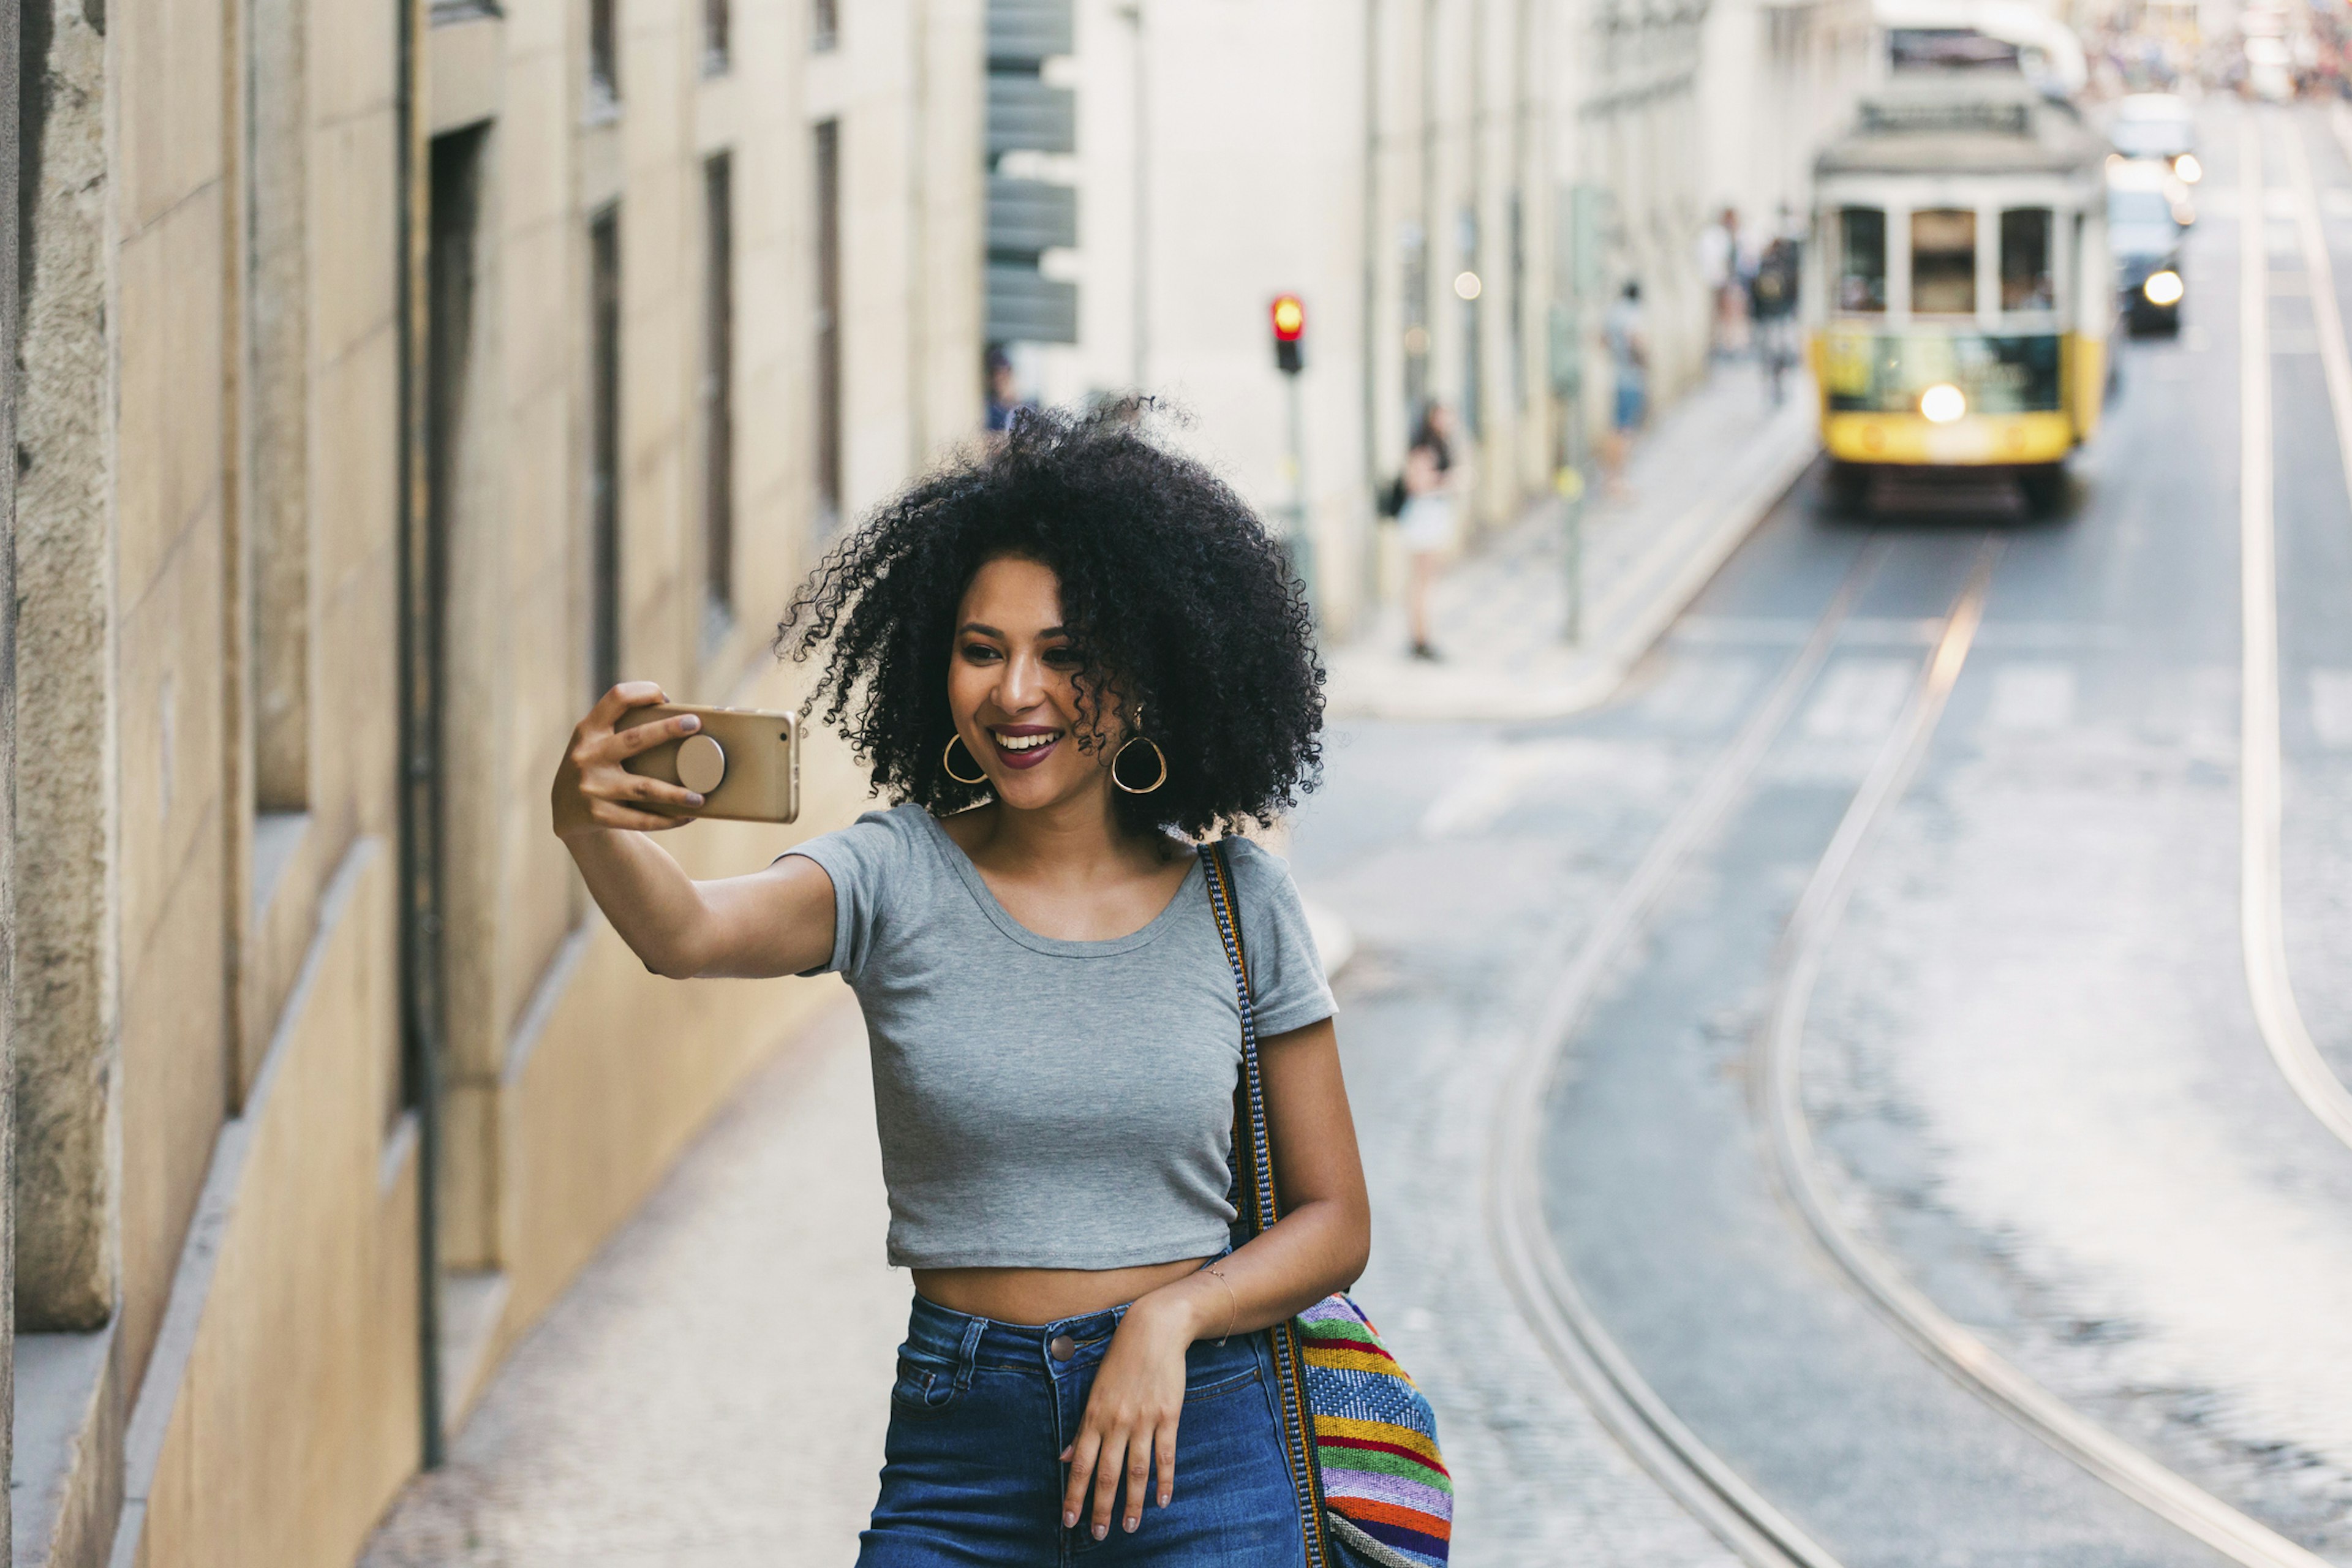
1289	334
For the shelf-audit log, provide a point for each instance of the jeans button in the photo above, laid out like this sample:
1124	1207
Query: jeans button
1063	1347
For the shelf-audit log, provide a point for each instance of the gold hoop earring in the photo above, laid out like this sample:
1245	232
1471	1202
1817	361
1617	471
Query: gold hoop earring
946	763
1156	753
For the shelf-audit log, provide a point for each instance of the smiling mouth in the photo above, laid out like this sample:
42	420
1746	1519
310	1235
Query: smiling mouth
1024	748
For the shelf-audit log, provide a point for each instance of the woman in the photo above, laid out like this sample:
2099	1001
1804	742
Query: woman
1427	517
1064	659
1628	340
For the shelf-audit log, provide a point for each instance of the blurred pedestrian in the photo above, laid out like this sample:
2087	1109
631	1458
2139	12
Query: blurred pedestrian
1112	649
1626	335
1004	398
1773	295
1721	266
1426	519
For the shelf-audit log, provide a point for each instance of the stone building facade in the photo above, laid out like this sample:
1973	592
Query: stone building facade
391	376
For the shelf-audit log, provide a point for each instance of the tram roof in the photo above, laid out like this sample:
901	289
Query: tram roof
1963	123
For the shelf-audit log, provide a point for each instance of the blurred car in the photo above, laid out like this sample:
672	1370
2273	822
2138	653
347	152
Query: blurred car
2157	125
2146	219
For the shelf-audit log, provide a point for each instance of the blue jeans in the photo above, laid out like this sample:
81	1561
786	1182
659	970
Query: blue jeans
1633	402
973	1475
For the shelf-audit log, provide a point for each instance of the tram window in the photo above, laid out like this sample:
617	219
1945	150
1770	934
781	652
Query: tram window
1944	262
1862	259
2026	281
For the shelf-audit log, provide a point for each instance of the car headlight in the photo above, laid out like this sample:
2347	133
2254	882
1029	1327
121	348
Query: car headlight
2163	289
1942	402
2189	170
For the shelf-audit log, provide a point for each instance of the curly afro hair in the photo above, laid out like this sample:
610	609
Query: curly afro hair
1175	593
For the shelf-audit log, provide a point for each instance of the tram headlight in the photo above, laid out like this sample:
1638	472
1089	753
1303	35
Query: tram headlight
2163	289
2189	170
1942	402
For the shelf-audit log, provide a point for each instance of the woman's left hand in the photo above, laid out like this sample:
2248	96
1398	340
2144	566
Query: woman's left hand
1131	1412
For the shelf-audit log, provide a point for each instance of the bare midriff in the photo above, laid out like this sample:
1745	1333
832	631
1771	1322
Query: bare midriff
1045	1294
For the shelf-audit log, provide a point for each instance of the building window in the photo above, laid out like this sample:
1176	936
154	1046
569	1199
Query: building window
715	21
604	451
824	23
717	386
276	470
603	53
828	323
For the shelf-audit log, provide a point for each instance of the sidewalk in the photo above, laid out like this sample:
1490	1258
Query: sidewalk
711	1392
1709	469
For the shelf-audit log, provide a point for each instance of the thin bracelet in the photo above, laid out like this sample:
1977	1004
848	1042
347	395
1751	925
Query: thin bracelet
1233	1301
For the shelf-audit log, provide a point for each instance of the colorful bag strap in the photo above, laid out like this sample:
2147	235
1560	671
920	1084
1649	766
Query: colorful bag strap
1253	1163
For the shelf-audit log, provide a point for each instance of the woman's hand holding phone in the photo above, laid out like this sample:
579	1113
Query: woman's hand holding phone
594	789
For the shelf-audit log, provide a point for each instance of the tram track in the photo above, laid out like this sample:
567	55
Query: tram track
1547	1294
1544	1285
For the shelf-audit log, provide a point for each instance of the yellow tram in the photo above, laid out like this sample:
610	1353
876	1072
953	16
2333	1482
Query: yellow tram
1962	297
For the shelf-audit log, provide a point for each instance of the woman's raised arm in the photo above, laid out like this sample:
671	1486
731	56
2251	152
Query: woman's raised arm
776	921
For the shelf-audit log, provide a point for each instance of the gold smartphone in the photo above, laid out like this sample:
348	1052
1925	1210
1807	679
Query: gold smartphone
745	763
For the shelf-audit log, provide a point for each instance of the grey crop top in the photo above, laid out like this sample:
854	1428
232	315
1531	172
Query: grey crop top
1050	1104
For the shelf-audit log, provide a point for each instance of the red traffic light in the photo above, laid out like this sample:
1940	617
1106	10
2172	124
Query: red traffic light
1289	334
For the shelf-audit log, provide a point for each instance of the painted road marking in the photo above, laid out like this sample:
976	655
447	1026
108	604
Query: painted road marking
1860	699
2032	695
1703	693
1497	777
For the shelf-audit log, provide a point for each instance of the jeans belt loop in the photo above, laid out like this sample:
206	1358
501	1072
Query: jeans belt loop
968	1354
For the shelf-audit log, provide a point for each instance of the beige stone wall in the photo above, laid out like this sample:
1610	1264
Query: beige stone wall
281	1410
169	229
219	1168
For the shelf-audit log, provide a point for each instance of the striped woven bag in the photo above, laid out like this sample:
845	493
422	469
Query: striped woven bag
1362	1441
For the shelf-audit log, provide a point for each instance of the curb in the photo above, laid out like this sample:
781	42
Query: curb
1634	613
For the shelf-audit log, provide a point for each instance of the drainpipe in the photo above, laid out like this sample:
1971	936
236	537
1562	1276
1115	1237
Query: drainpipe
419	991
